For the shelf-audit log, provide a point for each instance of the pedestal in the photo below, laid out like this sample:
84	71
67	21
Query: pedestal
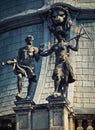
59	113
23	114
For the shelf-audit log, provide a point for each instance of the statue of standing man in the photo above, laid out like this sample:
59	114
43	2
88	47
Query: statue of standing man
23	66
26	57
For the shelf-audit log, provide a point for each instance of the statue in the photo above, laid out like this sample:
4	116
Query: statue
23	65
59	24
63	72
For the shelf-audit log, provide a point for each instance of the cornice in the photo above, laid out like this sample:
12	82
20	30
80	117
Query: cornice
30	17
19	21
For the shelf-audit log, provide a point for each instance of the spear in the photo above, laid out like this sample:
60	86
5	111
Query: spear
80	34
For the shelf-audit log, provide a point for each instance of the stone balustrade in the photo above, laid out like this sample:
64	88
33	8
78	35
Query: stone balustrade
85	122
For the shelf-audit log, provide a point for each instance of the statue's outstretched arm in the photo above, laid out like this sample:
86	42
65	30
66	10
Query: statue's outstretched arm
9	62
75	48
47	52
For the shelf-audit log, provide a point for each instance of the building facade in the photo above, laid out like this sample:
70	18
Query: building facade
19	19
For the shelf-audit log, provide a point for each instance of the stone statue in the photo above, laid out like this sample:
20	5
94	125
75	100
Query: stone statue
59	24
23	65
63	72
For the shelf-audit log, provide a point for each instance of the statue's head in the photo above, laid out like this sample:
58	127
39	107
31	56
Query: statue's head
29	39
59	21
59	15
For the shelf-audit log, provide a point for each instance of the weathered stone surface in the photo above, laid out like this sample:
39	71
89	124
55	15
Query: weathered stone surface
40	119
23	114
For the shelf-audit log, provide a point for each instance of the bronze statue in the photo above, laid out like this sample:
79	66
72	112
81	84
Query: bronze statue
59	24
23	65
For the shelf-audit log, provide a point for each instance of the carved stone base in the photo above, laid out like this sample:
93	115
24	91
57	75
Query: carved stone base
23	114
59	113
51	116
57	99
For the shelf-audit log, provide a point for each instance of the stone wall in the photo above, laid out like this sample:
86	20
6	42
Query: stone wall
84	91
86	1
12	8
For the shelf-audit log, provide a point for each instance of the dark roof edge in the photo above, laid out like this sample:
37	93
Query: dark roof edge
45	8
30	16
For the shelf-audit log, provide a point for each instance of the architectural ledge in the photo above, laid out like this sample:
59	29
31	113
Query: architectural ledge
32	16
72	5
84	110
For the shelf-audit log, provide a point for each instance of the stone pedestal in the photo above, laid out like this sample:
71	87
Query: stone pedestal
59	113
23	114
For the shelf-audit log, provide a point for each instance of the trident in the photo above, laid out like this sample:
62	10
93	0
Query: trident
80	34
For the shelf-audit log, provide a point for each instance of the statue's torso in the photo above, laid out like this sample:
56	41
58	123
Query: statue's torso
27	57
61	53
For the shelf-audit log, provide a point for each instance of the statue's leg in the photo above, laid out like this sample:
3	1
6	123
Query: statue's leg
57	81
65	91
60	89
19	84
57	78
56	84
29	87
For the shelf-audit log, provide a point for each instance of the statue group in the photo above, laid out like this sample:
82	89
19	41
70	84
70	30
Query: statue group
23	66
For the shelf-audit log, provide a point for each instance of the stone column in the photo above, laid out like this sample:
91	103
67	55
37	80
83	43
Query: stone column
58	113
79	125
23	114
71	122
90	125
